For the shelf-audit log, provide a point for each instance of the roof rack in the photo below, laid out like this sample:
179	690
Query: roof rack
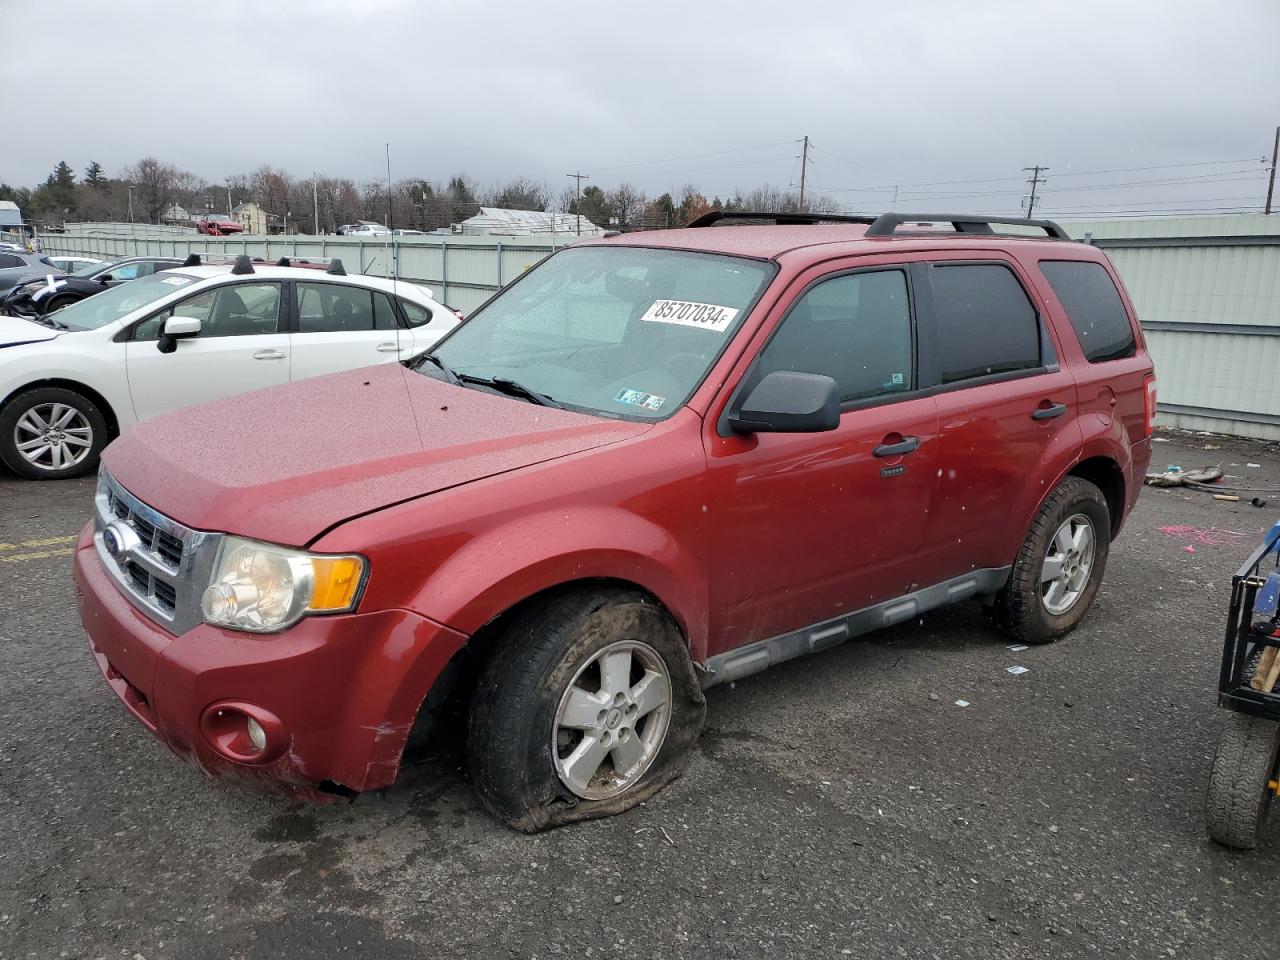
243	265
781	219
886	225
192	261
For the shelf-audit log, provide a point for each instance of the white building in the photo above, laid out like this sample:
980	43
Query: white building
495	221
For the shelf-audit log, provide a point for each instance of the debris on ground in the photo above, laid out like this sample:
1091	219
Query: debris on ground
1175	476
962	703
1016	670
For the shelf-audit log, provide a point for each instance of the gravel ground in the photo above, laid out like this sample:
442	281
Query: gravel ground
838	805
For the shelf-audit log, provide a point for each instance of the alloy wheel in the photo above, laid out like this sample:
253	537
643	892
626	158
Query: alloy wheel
1067	564
53	436
612	720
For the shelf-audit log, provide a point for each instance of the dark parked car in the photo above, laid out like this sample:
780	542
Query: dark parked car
45	292
19	267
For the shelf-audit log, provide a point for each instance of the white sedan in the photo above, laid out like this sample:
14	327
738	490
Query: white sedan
74	379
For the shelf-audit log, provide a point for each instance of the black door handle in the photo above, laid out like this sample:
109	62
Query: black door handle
905	445
1049	412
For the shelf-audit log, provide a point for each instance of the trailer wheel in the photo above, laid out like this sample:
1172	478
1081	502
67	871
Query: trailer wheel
1241	784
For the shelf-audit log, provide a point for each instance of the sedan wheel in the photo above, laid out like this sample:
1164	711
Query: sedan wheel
53	436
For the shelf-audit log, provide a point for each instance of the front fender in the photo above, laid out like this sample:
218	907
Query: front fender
493	572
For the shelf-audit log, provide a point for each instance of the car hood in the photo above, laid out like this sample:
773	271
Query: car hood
288	463
14	331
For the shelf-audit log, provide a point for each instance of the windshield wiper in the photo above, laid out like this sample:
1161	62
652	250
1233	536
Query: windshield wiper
449	375
513	388
48	322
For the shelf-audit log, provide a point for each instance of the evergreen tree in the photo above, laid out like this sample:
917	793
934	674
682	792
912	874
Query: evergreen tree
94	177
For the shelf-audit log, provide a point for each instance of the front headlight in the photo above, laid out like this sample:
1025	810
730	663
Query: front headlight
263	588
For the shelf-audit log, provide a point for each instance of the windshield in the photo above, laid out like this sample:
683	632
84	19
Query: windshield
624	331
114	302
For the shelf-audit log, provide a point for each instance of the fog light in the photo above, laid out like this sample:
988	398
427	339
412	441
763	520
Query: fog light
257	736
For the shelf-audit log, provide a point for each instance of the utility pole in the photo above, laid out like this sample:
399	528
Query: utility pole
389	226
228	196
577	197
131	203
315	203
1035	181
1271	181
804	167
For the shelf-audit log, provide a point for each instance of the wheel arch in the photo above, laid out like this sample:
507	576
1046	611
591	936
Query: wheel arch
1107	475
75	386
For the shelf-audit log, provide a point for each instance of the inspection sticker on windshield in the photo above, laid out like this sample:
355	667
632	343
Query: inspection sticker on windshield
707	316
638	398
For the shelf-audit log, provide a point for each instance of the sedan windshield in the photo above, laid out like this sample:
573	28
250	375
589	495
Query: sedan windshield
623	331
114	302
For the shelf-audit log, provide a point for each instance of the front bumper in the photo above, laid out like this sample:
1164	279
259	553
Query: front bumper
346	689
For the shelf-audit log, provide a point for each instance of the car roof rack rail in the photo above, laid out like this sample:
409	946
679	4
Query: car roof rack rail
887	224
781	219
336	268
242	265
192	261
282	262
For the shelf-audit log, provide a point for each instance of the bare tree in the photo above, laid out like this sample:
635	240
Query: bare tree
520	193
626	202
153	183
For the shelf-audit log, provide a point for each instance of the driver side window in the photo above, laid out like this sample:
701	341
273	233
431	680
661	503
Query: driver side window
242	309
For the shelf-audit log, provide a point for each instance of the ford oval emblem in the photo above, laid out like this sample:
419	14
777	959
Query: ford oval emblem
117	539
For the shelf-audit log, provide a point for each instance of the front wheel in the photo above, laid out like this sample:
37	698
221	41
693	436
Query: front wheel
51	433
588	706
1059	566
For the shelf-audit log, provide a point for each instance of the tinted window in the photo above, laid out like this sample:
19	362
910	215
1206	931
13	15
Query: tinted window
986	324
415	314
855	329
334	308
129	271
1094	308
242	309
7	260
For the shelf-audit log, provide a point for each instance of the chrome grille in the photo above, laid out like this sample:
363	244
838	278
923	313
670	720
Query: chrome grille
161	565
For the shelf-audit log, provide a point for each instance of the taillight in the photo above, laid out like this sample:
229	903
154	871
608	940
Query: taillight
1151	403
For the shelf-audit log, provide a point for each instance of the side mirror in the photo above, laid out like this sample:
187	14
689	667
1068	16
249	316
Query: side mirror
788	402
104	279
175	329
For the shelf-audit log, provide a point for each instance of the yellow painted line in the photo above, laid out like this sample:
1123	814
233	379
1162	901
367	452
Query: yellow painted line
46	542
38	555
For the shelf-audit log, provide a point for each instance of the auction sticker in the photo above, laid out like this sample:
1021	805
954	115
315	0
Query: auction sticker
177	281
687	313
638	398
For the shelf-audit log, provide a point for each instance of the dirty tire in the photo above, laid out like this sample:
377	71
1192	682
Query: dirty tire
57	303
513	709
1239	797
1018	608
16	408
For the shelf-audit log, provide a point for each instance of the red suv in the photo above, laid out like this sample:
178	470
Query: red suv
657	462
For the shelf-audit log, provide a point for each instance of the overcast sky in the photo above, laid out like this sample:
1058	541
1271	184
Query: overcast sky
665	92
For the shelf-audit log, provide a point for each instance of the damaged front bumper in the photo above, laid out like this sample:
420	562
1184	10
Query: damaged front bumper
336	696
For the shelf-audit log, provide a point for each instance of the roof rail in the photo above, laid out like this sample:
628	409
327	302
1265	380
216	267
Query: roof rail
192	261
886	225
282	262
782	219
242	265
336	268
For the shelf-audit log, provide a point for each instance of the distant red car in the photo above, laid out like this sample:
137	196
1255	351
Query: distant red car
218	226
654	463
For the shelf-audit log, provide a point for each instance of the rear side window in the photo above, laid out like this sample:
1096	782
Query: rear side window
1094	308
7	261
416	315
335	308
986	324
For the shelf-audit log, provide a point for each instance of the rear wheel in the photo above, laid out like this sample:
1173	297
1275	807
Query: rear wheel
1242	783
51	433
588	706
1058	569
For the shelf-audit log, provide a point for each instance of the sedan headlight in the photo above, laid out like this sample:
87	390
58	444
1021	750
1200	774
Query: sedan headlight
264	588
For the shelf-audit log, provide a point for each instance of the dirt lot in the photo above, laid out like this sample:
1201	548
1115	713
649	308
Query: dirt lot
839	805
